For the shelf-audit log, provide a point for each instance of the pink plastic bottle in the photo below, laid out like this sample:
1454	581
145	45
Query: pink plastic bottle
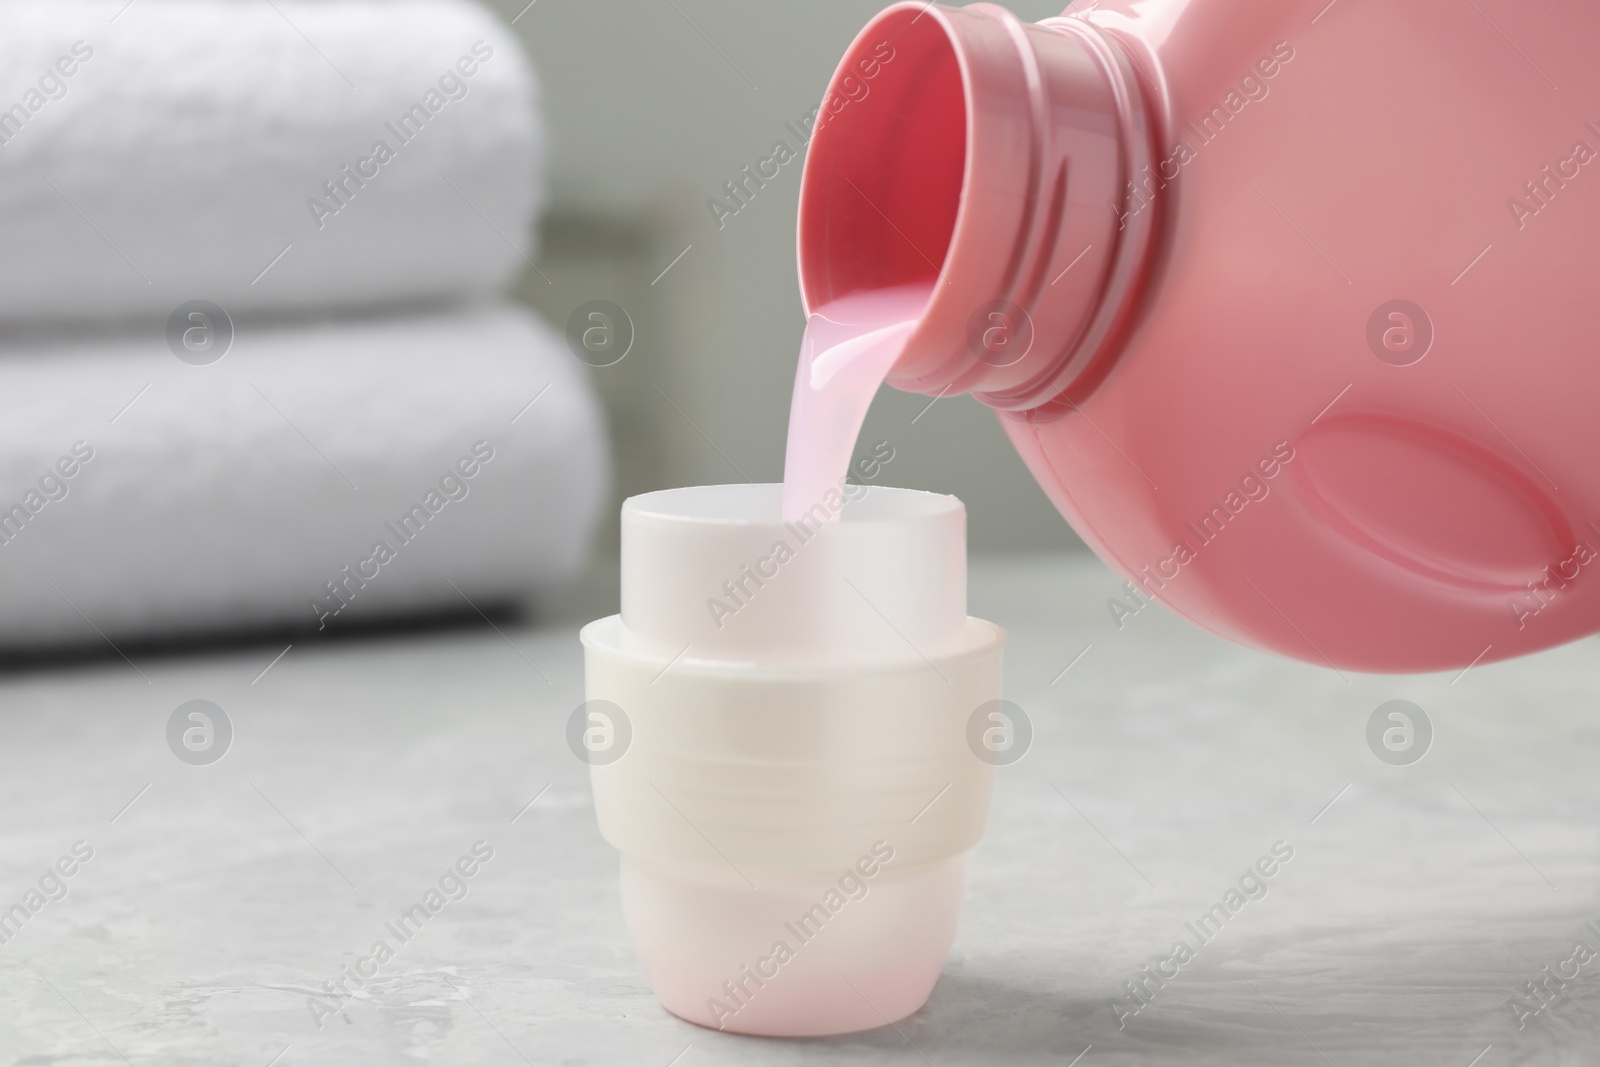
1290	306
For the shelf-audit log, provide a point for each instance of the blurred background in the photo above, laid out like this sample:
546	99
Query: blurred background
299	326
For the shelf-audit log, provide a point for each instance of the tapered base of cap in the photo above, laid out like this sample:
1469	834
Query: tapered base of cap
779	962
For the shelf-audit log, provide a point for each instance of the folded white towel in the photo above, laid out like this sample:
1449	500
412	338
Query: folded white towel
140	494
259	153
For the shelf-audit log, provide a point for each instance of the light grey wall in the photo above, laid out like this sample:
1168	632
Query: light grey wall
652	106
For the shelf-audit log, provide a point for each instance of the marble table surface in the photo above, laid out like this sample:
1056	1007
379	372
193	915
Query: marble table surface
217	899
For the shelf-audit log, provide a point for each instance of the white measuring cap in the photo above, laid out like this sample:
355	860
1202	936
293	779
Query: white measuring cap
795	787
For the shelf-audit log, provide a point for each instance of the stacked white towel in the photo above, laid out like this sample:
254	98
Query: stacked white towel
351	182
177	151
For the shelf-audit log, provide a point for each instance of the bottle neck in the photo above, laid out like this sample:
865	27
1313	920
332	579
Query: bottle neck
990	160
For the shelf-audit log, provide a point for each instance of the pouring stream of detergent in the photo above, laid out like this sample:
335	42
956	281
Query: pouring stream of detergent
850	345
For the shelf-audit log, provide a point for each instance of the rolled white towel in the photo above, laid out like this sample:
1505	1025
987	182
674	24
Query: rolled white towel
291	153
143	495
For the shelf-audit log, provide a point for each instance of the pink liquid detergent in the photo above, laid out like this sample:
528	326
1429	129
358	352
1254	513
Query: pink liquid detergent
848	349
1302	297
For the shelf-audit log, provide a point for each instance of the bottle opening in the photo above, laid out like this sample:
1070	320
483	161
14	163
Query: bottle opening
983	159
879	205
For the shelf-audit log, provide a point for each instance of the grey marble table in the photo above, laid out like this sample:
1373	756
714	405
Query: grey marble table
219	899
